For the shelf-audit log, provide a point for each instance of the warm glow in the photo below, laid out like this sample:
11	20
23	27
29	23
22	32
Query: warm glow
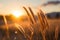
17	13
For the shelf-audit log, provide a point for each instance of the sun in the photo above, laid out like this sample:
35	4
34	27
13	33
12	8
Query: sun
17	13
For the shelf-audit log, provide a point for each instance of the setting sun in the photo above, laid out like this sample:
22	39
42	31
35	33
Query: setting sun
17	13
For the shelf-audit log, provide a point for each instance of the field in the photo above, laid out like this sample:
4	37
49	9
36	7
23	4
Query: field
33	28
32	32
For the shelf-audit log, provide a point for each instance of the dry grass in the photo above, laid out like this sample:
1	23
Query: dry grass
42	26
42	22
36	30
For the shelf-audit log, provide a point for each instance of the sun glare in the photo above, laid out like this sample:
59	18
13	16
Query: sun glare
17	13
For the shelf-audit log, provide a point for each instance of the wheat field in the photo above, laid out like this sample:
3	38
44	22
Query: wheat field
31	29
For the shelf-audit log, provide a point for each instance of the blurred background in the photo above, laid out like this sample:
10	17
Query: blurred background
20	19
6	6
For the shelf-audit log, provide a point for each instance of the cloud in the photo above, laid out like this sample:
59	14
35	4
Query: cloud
52	3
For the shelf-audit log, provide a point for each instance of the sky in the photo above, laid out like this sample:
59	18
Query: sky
7	5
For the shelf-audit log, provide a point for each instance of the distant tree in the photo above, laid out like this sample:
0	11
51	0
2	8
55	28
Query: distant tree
1	20
48	16
57	15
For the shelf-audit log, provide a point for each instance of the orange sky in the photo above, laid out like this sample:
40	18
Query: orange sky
7	5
